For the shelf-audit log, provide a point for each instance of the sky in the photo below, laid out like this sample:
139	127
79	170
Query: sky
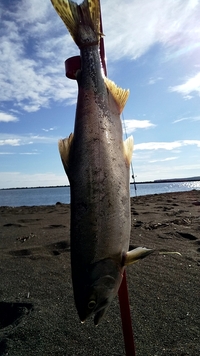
152	48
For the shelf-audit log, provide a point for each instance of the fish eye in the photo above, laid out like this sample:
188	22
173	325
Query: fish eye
91	304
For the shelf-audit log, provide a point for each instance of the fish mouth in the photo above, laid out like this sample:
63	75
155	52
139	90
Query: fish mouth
99	315
94	297
99	312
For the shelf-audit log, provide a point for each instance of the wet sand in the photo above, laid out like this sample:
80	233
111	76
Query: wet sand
37	313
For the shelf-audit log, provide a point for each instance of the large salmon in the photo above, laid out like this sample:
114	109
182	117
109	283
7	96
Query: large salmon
96	161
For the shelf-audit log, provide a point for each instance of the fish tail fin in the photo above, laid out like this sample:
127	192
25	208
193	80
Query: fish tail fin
82	21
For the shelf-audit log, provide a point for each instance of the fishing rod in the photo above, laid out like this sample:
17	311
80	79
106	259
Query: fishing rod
133	175
123	290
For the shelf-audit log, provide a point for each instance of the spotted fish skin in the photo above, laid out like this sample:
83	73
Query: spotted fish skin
97	163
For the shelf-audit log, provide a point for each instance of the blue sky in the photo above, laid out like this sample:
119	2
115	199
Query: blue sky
152	48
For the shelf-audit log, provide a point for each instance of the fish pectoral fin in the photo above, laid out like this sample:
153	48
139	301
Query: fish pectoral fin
64	149
164	252
120	95
141	252
136	254
128	149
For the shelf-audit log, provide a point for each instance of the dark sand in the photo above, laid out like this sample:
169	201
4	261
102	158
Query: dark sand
37	313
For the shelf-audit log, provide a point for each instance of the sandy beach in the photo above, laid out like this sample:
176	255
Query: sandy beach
37	312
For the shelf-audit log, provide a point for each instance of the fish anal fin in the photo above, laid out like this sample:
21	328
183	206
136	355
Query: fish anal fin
64	149
136	254
120	95
128	149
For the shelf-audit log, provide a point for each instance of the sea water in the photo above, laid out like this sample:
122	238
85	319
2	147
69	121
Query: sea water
50	196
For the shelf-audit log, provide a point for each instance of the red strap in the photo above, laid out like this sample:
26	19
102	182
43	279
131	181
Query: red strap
102	49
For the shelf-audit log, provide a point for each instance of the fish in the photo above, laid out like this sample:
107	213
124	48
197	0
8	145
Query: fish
97	163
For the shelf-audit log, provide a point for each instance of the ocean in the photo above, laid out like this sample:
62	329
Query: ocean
50	196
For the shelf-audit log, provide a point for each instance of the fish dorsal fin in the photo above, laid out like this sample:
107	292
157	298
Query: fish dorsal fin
64	149
120	95
136	254
128	149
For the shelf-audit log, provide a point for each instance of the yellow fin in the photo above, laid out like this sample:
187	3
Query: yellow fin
141	252
64	149
64	11
120	95
128	149
94	8
136	254
86	14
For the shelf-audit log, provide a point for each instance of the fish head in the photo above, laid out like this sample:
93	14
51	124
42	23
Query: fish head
102	282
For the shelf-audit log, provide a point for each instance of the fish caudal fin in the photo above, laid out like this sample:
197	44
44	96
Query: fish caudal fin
64	149
82	21
136	254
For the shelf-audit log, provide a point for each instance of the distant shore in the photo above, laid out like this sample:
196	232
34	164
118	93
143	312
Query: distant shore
173	180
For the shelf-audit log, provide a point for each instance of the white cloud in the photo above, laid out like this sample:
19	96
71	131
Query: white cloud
50	129
28	153
32	57
149	171
191	142
4	117
10	142
180	120
138	25
190	118
163	160
190	86
28	139
30	12
154	80
20	153
132	125
165	145
34	44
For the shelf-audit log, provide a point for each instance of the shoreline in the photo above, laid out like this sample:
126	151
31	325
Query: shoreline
173	180
37	313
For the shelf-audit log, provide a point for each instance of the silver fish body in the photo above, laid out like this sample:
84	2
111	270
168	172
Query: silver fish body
97	162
